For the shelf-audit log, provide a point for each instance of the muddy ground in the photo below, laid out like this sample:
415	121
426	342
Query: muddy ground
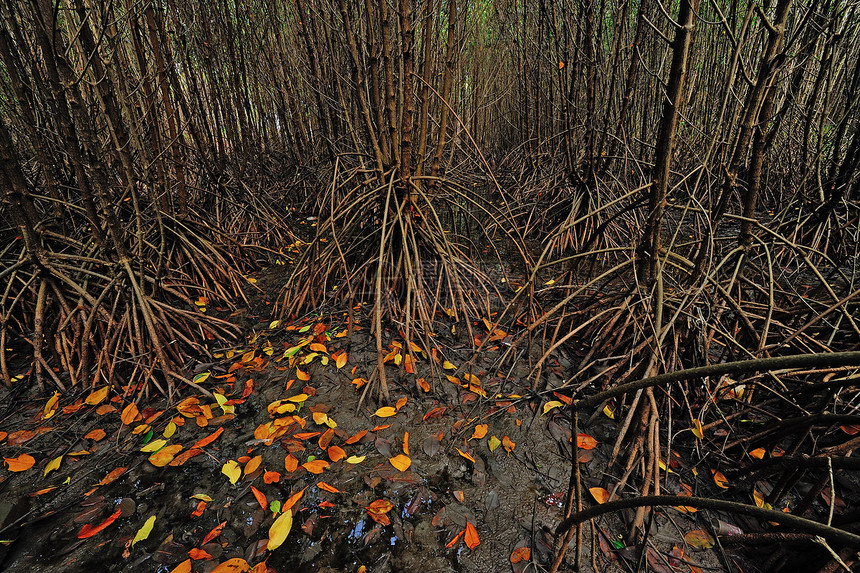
507	499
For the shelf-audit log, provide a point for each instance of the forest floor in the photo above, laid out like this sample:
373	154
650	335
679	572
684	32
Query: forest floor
463	471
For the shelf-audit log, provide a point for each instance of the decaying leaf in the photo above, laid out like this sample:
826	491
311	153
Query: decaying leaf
699	539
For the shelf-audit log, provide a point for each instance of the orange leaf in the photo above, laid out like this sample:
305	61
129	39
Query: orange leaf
521	554
184	567
340	360
294	499
508	444
407	364
480	431
196	554
261	498
303	376
234	565
185	456
306	435
112	476
325	439
198	511
88	530
291	463
336	453
422	383
585	442
253	464
216	531
758	453
271	477
96	435
465	455
380	427
434	413
315	466
317	347
208	439
165	455
720	480
599	494
454	541
380	506
353	439
699	538
400	403
21	463
400	462
327	487
129	414
97	397
472	539
406	443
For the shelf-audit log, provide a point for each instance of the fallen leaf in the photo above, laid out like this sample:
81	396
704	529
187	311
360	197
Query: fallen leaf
472	540
291	463
401	462
355	459
354	438
720	480
422	383
335	453
465	455
454	541
112	475
327	487
97	397
380	506
480	431
234	565
261	498
271	477
95	435
315	466
552	404
585	442
202	443
144	531
21	463
53	465
88	530
197	553
165	455
758	453
153	446
599	494
521	554
232	470
215	532
494	443
434	413
253	464
184	567
400	403
340	360
508	444
699	539
280	529
129	414
697	429
385	412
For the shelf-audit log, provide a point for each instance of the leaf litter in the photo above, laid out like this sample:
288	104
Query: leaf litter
263	477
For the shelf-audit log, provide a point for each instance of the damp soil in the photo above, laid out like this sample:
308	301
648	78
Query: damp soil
513	496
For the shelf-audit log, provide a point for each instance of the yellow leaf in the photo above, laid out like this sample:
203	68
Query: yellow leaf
340	361
97	397
480	431
697	429
153	446
448	366
280	529
599	494
201	497
232	470
320	418
50	406
144	531
759	500
298	398
551	405
53	465
494	443
610	413
355	459
222	402
385	412
401	462
202	377
169	430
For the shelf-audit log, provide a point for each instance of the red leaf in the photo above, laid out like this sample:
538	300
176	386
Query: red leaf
88	530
